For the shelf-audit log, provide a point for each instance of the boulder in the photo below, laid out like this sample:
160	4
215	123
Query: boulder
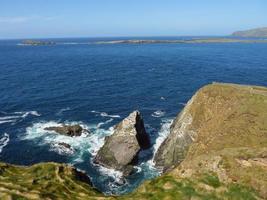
120	150
68	130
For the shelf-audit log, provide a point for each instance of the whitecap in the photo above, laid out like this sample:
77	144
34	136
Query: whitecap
158	113
104	114
4	141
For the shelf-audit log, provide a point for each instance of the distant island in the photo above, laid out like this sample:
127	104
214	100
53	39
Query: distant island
37	42
257	32
182	41
197	40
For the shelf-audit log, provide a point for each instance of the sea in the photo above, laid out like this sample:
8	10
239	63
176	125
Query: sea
78	81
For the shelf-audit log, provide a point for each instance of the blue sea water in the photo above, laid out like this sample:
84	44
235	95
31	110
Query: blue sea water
97	85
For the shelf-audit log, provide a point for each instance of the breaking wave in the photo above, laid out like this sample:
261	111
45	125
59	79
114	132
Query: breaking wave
4	141
75	147
163	133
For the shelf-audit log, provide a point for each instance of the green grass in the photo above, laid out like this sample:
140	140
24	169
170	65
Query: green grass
211	180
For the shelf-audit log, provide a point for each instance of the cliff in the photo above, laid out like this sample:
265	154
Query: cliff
257	32
216	149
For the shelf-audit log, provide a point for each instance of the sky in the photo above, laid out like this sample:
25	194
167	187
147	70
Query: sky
104	18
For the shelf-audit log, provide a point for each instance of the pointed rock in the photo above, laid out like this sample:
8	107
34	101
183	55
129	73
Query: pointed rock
120	151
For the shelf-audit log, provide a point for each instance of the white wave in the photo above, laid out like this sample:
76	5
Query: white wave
158	113
9	117
84	144
163	133
63	110
162	98
103	123
16	116
7	121
4	141
116	175
104	114
34	113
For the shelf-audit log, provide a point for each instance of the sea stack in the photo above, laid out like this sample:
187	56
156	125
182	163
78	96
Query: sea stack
120	151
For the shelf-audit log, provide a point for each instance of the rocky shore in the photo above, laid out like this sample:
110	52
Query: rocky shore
216	149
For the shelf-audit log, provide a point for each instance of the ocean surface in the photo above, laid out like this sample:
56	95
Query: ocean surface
97	85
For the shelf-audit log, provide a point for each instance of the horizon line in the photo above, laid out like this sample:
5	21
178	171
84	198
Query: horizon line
92	37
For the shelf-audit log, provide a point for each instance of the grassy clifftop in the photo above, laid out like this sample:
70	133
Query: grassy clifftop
44	181
227	158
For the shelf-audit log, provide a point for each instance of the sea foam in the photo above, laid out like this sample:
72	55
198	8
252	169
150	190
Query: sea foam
84	144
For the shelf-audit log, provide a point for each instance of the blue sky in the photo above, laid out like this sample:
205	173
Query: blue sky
93	18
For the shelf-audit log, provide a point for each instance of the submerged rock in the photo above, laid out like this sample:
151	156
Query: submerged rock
64	145
68	130
120	151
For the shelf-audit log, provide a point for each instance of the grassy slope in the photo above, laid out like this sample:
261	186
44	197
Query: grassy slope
228	160
43	181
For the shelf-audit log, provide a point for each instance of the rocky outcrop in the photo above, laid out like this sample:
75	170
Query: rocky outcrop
120	151
68	130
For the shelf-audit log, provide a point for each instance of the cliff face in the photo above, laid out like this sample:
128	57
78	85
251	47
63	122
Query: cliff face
257	32
217	149
218	116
